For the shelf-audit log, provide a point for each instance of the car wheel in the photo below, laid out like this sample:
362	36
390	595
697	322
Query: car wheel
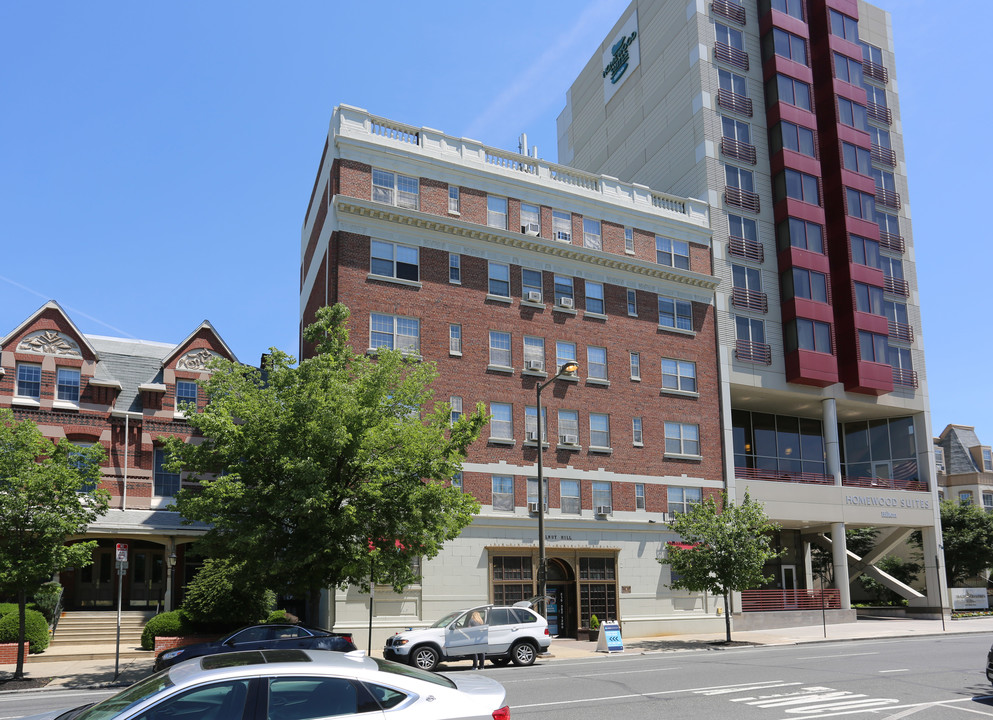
499	661
523	653
425	658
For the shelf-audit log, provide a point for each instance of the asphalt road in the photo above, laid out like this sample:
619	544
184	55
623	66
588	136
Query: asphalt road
919	678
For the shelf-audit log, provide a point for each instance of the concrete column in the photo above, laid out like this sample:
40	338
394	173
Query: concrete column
839	555
934	570
808	565
832	446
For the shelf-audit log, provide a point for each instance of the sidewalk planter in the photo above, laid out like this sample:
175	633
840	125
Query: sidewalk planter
587	634
163	642
8	653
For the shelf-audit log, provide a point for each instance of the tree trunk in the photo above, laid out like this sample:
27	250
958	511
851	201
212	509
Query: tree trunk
314	607
727	617
22	601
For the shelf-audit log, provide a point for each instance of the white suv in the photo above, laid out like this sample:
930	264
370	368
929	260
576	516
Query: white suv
507	634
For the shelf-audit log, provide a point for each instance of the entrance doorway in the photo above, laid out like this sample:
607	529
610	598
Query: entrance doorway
561	587
97	581
789	586
146	575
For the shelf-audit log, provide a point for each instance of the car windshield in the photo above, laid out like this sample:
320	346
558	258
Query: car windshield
412	672
128	697
447	619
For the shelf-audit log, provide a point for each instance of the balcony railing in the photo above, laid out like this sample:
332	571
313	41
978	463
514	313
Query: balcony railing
741	198
901	331
738	150
777	600
882	155
747	249
892	242
879	113
905	378
875	71
741	104
730	55
755	352
897	286
746	299
888	198
730	10
884	483
804	478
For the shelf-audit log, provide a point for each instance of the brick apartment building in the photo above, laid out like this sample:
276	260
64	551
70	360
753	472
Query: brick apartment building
121	393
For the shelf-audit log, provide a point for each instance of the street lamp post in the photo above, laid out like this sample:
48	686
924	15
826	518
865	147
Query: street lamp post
568	368
171	561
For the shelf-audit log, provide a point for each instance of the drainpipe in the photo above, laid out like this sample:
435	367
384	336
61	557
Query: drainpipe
127	438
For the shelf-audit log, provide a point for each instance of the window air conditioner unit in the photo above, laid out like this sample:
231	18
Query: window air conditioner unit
533	507
534	296
534	365
531	228
531	436
565	302
563	236
603	509
569	439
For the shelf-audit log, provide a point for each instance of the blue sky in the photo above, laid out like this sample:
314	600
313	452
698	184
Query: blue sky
156	158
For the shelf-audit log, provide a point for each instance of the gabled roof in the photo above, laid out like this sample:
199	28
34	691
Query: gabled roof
182	345
131	363
957	440
50	305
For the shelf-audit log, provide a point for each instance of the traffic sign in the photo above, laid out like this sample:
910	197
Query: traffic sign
122	552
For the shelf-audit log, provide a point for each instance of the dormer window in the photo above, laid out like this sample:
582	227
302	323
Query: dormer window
987	460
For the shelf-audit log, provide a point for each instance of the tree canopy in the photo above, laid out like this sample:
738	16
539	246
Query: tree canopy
967	537
726	548
47	494
312	474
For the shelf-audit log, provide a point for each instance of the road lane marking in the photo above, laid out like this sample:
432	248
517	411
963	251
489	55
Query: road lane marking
594	675
896	670
742	686
828	657
914	707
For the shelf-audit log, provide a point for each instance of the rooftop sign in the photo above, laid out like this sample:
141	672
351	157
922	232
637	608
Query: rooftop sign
622	56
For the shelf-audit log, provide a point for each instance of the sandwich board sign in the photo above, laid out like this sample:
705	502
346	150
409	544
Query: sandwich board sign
610	638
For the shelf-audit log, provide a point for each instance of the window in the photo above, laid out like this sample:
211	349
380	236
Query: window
892	267
743	228
596	359
164	483
632	303
847	69
639	496
530	219
676	253
395	261
534	353
857	159
682	499
860	204
868	299
872	347
67	385
987	460
730	36
508	574
500	349
939	459
790	7
531	425
569	497
879	137
749	329
591	234
531	289
78	460
454	268
601	495
502	422
788	45
635	361
594	298
844	26
599	430
899	358
564	352
456	402
499	279
682	439
629	240
988	502
395	333
675	313
730	82
965	497
889	224
569	427
455	339
453	199
785	89
563	291
678	375
801	234
870	53
790	136
597	598
186	392
874	95
736	130
806	284
637	434
562	225
394	189
896	312
746	278
798	186
884	180
496	212
852	114
29	381
734	177
803	334
503	494
533	491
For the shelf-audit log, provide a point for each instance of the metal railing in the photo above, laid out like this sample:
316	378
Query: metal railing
738	150
756	352
882	155
730	10
773	600
879	113
875	71
803	478
896	286
901	331
892	242
744	199
905	378
57	613
749	299
888	198
734	102
747	249
730	55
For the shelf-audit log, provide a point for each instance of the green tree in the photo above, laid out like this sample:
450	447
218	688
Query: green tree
313	474
967	536
47	493
730	546
903	570
222	594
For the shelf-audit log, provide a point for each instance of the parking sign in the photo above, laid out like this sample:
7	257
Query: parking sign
122	552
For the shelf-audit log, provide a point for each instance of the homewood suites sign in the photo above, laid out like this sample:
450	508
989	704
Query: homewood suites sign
621	56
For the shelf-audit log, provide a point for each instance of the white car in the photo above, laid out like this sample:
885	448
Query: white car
507	634
297	684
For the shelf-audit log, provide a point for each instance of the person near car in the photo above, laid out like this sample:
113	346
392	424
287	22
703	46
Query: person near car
478	659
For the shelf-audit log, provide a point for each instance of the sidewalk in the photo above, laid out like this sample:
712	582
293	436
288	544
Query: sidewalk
78	673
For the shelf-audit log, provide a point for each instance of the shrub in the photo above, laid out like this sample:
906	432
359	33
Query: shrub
46	598
35	629
166	624
281	616
594	623
222	595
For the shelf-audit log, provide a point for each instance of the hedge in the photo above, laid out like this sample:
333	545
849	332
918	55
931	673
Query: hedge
171	623
35	629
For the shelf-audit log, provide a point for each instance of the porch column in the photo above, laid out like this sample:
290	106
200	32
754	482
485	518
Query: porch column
839	548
